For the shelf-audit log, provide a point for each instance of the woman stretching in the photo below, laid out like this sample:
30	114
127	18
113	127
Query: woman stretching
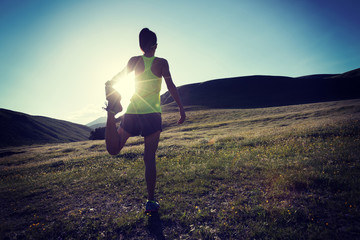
143	115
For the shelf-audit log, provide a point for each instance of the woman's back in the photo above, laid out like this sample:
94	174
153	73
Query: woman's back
146	98
137	64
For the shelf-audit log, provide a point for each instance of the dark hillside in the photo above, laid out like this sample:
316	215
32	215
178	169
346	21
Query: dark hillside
268	91
351	74
22	129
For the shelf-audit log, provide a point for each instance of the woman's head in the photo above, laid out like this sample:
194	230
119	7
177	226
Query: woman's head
147	40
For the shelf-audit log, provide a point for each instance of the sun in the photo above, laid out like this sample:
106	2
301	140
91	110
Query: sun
126	87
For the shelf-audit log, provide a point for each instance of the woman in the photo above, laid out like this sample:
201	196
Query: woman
143	115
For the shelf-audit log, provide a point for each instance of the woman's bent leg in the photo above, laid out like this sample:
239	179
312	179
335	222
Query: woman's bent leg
115	140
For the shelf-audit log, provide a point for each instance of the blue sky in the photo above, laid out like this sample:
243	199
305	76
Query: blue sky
56	55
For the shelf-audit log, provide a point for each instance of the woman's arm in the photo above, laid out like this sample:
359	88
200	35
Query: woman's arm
173	90
117	77
128	69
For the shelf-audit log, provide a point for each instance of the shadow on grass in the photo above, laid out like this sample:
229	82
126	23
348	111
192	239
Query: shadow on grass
155	226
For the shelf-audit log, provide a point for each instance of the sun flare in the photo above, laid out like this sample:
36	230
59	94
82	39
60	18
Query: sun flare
126	87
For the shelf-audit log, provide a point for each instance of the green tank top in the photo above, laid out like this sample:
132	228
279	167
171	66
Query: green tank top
146	98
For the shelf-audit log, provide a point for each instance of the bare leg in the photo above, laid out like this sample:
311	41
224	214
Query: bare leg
151	145
115	140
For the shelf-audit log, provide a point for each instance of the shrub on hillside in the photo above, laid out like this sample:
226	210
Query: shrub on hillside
98	134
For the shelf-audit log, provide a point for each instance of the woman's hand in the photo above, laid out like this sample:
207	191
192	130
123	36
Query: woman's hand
182	116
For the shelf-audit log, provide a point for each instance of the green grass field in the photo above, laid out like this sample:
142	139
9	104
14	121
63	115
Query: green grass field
274	173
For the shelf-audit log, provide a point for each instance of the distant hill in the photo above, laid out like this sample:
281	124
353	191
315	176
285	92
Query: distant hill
351	74
100	122
268	91
22	129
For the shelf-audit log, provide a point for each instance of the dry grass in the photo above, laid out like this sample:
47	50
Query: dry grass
276	173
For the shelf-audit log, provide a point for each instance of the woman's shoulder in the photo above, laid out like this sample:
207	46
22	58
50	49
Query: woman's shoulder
160	60
135	59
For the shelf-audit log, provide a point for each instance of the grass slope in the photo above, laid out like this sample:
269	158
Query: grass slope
269	173
22	129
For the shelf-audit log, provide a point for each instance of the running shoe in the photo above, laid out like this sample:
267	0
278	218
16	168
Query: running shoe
152	206
113	97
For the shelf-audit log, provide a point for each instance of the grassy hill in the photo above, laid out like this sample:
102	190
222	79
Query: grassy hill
268	91
289	172
22	129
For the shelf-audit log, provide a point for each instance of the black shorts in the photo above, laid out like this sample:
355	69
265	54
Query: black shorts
141	124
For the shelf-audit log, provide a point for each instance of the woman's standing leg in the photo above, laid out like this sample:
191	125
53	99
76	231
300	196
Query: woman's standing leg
151	145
